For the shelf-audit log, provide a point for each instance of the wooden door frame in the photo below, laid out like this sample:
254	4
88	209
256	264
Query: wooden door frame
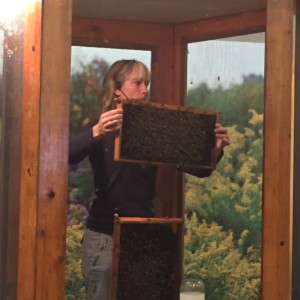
247	23
278	165
45	124
169	66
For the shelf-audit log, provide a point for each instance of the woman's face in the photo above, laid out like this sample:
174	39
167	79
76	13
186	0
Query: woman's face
135	86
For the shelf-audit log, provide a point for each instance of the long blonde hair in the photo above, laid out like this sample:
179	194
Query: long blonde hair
115	77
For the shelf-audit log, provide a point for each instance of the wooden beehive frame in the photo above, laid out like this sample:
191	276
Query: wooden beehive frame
126	227
165	134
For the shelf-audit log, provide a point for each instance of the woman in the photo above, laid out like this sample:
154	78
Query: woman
123	188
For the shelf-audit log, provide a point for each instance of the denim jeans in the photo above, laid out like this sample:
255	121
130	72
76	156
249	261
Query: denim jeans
97	264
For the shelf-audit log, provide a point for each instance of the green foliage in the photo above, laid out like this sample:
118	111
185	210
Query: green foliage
85	94
231	196
223	211
74	282
214	258
84	107
233	103
81	184
77	214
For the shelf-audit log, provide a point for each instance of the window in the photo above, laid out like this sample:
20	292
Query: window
223	212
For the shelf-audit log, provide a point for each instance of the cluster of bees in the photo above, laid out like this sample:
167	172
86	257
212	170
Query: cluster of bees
147	262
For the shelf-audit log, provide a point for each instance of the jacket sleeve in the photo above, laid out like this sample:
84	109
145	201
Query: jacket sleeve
79	147
197	171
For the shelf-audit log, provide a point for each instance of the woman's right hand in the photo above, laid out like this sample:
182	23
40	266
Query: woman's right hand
109	121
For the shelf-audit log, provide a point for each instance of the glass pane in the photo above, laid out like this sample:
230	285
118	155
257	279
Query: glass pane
88	67
223	212
11	71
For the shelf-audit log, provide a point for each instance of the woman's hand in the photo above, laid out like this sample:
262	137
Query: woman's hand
222	140
109	121
222	137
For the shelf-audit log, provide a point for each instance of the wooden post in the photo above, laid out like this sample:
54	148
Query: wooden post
278	151
296	209
43	196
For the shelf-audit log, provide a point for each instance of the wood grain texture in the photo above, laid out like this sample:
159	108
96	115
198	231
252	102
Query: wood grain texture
119	34
53	149
43	197
277	172
221	27
296	190
30	155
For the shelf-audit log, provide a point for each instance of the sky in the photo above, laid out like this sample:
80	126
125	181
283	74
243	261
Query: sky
223	62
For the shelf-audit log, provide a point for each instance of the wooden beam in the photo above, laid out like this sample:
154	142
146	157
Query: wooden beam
221	27
43	198
119	34
29	154
278	151
296	208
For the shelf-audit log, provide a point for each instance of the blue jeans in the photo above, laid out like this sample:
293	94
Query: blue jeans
97	264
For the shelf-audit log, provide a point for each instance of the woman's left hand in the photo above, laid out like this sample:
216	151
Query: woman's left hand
222	139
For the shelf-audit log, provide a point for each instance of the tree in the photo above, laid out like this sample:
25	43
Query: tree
85	94
233	103
84	107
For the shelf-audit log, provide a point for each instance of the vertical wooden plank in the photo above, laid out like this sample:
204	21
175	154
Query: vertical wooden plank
162	81
278	151
43	197
296	209
180	95
169	181
29	154
53	149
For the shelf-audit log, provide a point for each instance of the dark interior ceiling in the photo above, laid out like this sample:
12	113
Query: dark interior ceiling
162	11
